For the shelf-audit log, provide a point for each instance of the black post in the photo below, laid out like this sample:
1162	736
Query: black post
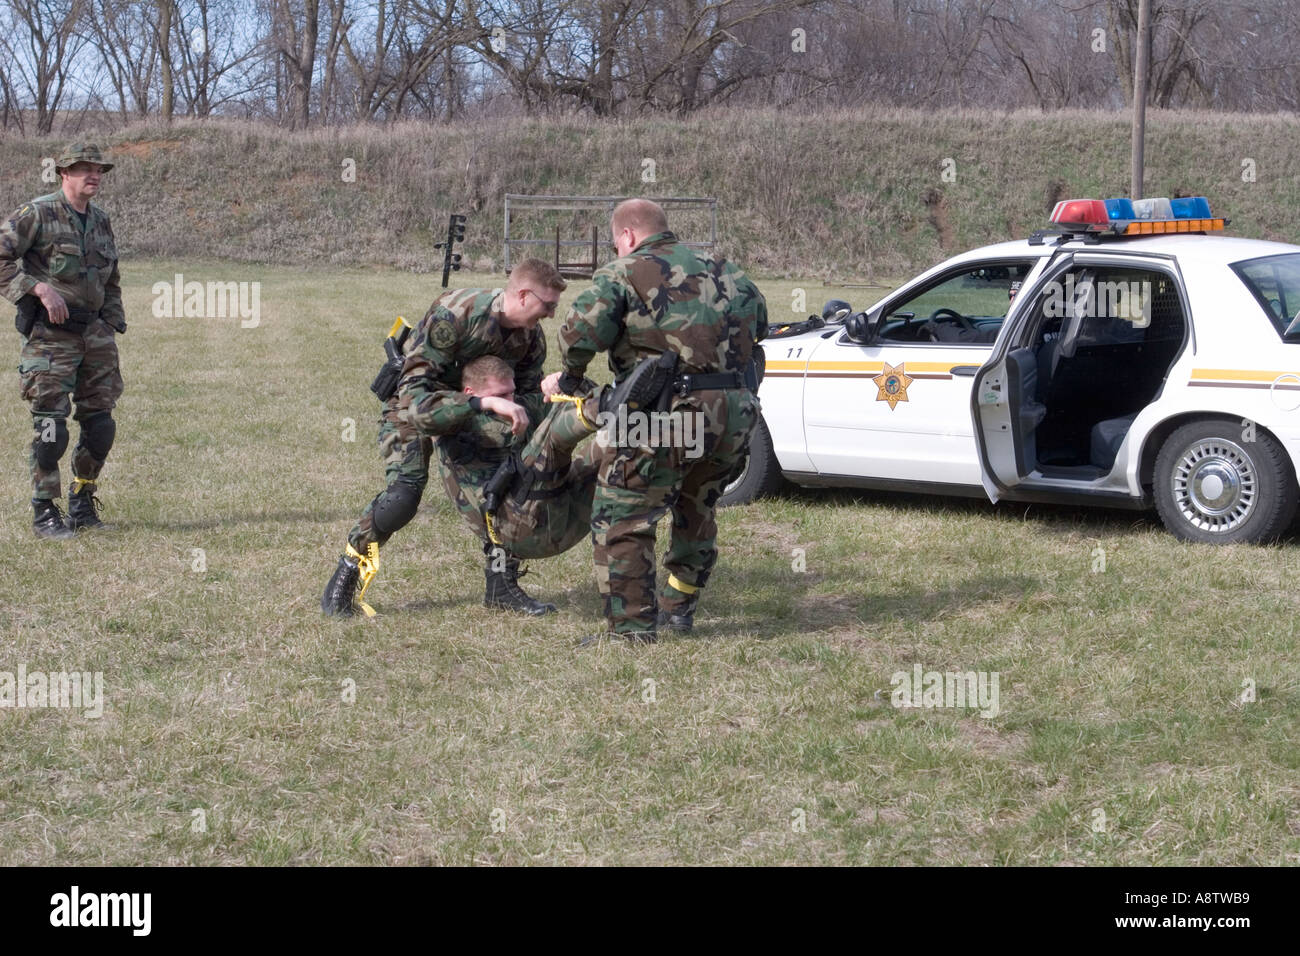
455	234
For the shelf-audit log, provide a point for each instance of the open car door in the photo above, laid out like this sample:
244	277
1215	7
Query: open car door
1079	361
1005	405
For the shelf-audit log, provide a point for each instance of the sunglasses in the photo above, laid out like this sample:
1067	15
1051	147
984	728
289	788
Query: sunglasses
549	304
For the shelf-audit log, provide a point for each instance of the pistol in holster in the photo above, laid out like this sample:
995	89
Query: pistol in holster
385	383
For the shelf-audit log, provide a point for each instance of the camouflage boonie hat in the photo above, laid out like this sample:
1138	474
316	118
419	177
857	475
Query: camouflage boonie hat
82	153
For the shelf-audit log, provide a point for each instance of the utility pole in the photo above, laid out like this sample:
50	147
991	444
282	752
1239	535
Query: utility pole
1140	94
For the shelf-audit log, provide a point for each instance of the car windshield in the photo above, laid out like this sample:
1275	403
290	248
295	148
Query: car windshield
1275	282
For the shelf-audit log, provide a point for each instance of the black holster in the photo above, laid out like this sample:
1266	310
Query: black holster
26	317
667	363
386	382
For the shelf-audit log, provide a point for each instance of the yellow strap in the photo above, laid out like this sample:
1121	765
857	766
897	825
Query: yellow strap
368	565
577	401
492	531
397	327
79	483
675	582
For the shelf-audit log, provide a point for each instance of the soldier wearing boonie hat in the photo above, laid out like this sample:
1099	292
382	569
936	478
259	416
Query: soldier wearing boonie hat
58	264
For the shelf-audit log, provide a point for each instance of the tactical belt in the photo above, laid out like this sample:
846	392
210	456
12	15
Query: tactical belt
31	311
684	384
78	320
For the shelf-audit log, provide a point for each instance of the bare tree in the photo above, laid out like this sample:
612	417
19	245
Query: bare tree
162	37
333	47
126	37
11	112
390	48
1175	65
295	25
1058	49
42	53
214	42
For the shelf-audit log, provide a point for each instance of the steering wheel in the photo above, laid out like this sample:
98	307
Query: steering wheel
945	313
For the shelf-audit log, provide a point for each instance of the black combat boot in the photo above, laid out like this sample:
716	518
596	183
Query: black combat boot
503	590
682	617
48	522
338	600
83	507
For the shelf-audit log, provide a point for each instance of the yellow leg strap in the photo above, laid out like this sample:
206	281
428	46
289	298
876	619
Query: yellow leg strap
577	401
368	565
491	530
675	582
79	483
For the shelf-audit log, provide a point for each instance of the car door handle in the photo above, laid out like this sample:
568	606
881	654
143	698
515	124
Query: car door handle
965	370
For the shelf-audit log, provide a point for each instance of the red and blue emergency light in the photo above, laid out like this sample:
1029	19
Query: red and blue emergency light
1137	217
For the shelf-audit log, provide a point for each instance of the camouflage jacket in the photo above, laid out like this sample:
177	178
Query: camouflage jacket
478	447
663	295
460	326
44	241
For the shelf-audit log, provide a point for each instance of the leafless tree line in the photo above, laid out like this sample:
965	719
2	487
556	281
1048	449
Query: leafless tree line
319	62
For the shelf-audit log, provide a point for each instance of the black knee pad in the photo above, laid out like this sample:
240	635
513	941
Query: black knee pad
395	506
97	433
48	452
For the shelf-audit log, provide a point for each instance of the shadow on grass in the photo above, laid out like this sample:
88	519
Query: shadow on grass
207	524
793	609
1053	517
1048	518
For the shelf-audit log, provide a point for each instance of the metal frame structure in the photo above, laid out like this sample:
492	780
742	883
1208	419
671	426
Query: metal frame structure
521	202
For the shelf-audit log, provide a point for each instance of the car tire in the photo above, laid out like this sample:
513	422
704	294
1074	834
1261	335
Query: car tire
1213	486
760	475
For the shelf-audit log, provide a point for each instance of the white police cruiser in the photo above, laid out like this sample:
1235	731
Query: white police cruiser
1129	356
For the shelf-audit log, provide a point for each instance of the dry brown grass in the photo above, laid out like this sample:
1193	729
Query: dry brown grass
846	194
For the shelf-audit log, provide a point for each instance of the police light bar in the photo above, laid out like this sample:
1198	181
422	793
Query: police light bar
1137	217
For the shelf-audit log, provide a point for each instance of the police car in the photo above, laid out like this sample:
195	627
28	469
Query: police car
1131	355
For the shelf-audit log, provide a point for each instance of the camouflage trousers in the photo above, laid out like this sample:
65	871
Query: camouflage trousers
57	368
548	509
406	455
638	484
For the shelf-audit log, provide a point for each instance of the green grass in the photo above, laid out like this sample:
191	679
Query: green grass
480	738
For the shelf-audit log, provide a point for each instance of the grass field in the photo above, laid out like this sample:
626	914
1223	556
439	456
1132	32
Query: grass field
231	732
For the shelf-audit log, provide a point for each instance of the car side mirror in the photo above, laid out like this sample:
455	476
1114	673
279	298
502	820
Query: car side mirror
835	309
860	328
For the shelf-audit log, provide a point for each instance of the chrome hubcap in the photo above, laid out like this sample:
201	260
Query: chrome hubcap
1215	485
735	482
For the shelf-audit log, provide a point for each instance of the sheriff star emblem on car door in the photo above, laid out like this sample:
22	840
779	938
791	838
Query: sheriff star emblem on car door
893	384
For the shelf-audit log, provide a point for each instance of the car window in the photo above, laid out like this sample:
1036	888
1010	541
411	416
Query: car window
1096	307
1275	283
964	307
1119	305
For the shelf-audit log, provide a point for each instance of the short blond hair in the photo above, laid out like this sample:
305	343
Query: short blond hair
643	216
477	374
538	272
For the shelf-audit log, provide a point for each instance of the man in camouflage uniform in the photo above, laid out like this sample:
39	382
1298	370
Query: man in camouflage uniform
58	264
533	499
430	405
657	298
